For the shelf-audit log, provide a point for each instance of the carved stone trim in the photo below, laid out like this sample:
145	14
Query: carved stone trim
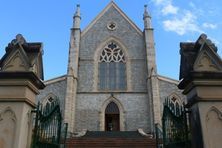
205	63
213	108
112	53
97	54
112	26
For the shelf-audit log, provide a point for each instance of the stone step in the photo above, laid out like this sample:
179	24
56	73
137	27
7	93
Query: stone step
111	140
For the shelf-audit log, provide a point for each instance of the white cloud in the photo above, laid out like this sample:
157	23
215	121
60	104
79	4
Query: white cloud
209	25
182	21
182	25
166	6
159	2
169	9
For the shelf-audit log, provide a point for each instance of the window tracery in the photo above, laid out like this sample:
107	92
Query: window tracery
50	99
111	26
112	53
112	68
175	105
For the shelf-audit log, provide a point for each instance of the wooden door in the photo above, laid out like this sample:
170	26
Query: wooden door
112	122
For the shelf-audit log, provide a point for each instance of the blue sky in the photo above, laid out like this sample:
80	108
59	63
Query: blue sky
49	21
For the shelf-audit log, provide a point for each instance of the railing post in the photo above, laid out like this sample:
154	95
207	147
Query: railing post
65	136
157	136
34	139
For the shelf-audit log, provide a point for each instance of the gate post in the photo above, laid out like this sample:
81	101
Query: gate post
201	75
20	80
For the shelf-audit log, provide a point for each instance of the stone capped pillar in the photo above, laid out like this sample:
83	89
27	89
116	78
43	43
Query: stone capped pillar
72	72
152	79
21	75
201	75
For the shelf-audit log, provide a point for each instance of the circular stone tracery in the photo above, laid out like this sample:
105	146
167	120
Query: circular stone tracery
111	26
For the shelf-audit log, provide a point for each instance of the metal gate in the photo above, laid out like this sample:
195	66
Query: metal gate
48	125
159	136
175	126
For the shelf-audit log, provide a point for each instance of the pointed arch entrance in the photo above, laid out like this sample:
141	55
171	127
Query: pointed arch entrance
112	117
112	111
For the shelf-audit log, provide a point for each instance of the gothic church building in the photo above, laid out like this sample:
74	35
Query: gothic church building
111	82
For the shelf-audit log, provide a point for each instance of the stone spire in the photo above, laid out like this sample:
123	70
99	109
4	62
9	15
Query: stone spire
152	80
149	41
146	18
74	44
72	72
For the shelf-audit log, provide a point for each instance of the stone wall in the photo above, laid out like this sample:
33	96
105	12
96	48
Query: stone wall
56	88
98	33
89	108
168	88
92	43
134	100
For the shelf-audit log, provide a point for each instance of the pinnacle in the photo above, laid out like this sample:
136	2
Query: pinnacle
145	11
77	13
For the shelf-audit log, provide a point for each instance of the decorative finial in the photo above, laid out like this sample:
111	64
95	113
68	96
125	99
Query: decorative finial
77	10
145	11
146	18
77	17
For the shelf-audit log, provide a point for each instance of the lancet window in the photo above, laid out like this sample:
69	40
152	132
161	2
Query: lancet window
112	68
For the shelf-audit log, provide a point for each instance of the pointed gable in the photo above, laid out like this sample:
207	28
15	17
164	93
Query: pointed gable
21	56
199	56
112	23
112	7
207	60
16	61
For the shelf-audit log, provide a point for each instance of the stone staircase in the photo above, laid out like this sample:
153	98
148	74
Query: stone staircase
130	139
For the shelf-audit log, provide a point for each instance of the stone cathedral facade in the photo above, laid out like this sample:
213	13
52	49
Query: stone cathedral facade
111	82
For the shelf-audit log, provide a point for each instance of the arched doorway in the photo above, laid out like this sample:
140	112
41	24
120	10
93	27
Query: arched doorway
112	117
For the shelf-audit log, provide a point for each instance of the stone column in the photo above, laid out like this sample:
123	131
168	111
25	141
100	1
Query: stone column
152	79
17	99
204	95
20	80
201	74
72	72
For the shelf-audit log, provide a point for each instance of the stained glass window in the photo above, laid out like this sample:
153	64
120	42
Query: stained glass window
112	68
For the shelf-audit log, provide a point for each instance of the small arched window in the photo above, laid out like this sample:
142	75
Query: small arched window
112	68
175	105
50	99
